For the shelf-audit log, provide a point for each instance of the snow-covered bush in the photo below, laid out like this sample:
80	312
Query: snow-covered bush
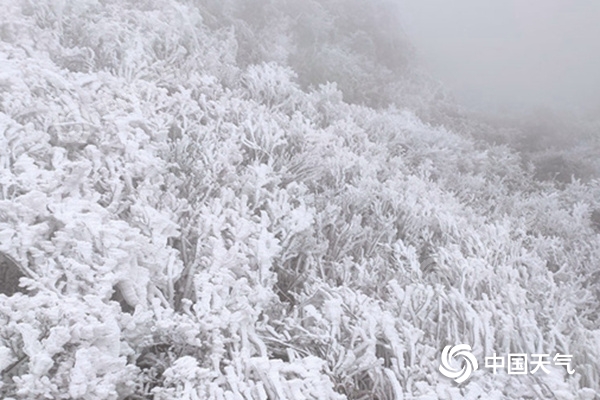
193	224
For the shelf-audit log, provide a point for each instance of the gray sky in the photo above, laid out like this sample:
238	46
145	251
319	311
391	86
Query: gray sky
511	53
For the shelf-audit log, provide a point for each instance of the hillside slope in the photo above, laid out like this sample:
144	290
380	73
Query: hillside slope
195	224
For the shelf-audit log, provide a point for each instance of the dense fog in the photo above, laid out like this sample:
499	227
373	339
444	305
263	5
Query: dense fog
511	54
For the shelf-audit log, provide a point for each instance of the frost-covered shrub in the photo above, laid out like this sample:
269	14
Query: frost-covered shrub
270	84
60	347
193	225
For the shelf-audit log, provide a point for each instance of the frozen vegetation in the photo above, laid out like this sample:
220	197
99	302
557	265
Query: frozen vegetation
265	200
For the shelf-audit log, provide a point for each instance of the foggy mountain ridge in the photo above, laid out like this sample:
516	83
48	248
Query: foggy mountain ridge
511	55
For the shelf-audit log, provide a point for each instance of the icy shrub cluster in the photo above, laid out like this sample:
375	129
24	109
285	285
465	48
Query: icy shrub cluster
192	227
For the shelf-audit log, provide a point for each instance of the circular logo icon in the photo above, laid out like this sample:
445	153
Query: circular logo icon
469	362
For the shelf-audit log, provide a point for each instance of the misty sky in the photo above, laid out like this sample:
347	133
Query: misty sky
511	53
